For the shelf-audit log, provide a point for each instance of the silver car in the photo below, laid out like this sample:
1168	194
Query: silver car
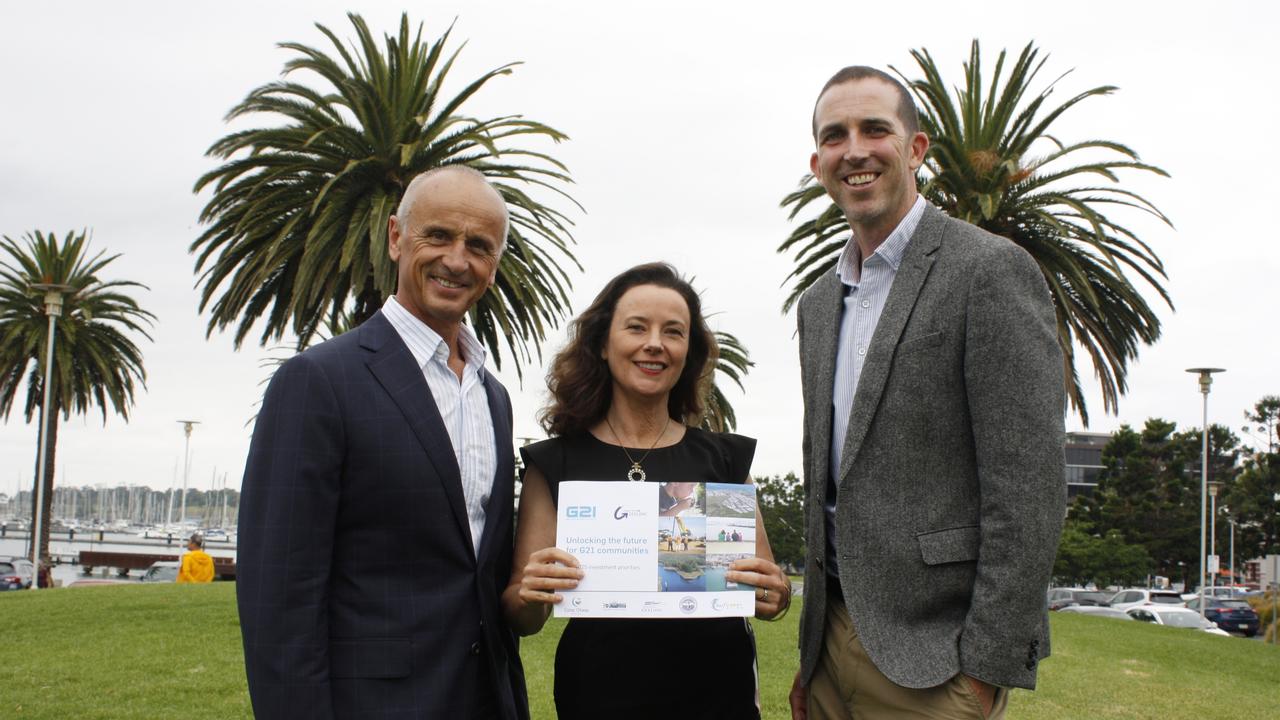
1174	617
16	574
1133	597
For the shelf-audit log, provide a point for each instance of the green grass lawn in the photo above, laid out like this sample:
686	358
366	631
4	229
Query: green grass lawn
170	651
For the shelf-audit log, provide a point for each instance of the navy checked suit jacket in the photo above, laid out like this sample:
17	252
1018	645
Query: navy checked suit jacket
358	589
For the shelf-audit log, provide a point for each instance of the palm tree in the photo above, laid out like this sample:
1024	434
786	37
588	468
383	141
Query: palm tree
297	221
95	362
732	362
993	162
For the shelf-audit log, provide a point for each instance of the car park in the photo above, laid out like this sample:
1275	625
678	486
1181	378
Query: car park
16	574
1230	615
1174	616
1096	611
1063	597
1133	597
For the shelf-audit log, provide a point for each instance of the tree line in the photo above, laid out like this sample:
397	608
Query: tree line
1144	518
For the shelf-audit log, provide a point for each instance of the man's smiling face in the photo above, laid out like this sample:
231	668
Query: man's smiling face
865	157
447	248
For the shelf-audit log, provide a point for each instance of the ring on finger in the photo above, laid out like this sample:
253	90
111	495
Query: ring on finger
765	597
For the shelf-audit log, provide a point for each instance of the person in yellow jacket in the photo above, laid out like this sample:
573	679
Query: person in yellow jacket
197	565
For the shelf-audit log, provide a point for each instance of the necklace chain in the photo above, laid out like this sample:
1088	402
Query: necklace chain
636	470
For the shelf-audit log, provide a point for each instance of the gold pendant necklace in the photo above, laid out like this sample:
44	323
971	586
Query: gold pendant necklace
635	464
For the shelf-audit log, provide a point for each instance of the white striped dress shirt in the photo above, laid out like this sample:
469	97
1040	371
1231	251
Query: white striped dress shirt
463	405
863	303
867	290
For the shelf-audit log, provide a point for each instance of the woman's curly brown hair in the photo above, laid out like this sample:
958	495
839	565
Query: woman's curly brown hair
579	381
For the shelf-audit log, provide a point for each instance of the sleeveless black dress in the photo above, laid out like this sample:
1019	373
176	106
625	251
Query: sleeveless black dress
699	668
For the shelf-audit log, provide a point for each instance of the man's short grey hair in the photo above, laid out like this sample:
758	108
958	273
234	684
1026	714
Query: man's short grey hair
197	539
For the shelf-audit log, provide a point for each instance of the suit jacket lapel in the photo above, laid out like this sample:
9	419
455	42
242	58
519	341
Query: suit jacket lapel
917	260
501	497
822	333
395	369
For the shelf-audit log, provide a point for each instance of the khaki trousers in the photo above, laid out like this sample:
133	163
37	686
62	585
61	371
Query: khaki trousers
846	685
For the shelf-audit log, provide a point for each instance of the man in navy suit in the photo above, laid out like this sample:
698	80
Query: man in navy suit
375	523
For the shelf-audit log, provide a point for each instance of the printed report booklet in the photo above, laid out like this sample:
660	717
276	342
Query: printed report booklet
656	550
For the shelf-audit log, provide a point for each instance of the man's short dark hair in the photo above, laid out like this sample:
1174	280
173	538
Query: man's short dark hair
906	106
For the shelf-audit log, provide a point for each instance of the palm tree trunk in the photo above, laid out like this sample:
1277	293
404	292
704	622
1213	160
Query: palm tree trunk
47	501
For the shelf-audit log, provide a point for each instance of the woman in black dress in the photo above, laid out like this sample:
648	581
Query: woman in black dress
631	376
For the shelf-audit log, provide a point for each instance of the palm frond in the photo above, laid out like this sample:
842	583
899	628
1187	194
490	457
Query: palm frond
733	362
295	228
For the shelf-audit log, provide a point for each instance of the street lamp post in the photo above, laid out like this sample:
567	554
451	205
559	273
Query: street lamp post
1233	549
53	293
187	425
1206	379
1214	488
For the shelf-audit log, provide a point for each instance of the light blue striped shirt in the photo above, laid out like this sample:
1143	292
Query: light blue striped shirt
463	406
867	289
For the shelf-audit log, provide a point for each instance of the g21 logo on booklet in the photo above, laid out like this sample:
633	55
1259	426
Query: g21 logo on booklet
580	511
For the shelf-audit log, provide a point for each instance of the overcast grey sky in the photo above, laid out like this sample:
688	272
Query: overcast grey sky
688	123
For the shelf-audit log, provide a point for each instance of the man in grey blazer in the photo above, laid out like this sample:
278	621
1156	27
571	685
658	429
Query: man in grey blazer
933	438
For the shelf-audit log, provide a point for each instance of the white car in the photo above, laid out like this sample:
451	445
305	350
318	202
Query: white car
1133	597
1175	617
1222	592
1106	612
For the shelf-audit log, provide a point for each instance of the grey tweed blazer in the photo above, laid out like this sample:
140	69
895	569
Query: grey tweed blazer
951	490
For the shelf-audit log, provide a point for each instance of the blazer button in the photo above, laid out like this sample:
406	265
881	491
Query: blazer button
475	648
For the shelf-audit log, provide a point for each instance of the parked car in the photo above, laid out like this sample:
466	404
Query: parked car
1062	597
1230	615
1133	597
162	571
1224	592
1097	611
16	574
1174	617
